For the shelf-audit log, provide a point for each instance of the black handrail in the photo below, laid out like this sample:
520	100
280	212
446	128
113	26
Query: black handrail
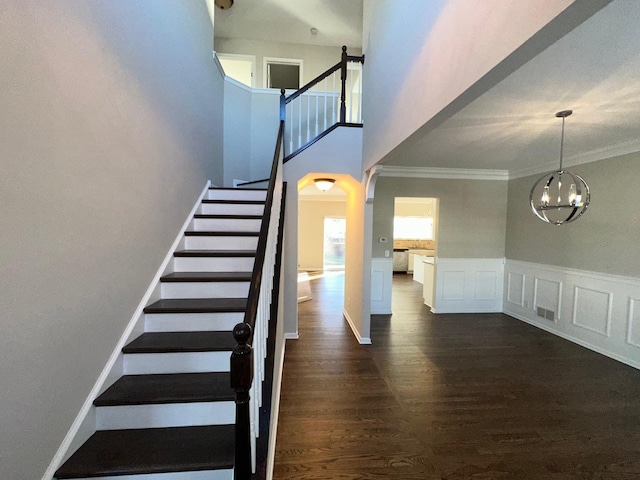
242	355
342	118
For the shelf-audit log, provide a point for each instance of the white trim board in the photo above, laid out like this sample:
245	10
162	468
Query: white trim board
83	425
361	340
595	310
445	173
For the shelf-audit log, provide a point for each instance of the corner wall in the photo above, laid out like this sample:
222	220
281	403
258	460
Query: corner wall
111	127
470	238
586	274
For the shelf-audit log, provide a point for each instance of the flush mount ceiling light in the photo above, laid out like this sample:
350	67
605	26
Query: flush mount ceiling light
560	197
224	4
324	184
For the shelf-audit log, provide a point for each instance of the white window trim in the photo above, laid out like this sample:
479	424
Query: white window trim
280	61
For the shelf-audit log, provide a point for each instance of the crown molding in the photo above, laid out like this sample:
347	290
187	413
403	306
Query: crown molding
610	151
445	173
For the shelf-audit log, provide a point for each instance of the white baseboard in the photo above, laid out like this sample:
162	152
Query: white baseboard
356	333
81	427
595	310
291	336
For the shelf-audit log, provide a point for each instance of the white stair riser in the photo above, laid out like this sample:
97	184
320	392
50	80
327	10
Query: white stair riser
189	362
213	264
205	289
237	194
227	224
231	209
191	322
221	243
123	417
200	475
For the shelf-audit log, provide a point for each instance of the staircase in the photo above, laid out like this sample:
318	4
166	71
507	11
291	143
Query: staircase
171	415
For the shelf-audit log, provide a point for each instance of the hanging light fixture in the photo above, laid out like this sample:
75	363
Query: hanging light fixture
324	184
560	197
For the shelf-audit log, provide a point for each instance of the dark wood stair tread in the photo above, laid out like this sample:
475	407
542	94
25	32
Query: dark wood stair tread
207	277
225	233
152	450
197	305
227	217
236	202
181	342
215	253
167	388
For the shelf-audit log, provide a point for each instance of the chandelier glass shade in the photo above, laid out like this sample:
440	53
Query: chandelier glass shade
324	184
560	196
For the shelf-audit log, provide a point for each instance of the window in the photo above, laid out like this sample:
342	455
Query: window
282	73
412	228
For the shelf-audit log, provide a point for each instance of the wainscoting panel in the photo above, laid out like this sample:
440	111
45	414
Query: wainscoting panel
515	289
595	310
633	335
592	310
469	285
381	279
547	294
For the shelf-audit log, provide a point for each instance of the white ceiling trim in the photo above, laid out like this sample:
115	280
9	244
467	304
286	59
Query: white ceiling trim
445	173
610	151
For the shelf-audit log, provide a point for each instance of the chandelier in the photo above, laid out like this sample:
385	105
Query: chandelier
560	196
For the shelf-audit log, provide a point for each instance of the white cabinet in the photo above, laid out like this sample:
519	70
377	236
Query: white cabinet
418	268
428	281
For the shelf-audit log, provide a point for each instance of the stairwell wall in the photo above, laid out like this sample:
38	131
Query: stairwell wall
111	127
427	60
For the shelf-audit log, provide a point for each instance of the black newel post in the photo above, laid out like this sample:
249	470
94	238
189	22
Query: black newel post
283	106
343	79
241	378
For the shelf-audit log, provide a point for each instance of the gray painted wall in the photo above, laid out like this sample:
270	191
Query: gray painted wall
111	125
604	239
237	132
471	219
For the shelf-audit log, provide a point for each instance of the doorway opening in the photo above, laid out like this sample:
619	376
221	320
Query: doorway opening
415	222
239	67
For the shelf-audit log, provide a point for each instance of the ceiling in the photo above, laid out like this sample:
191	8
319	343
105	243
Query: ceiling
339	22
594	70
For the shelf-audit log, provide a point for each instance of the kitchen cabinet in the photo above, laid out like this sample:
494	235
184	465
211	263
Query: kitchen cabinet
428	281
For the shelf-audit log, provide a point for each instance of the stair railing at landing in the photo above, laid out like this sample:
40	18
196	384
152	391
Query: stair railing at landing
331	100
252	358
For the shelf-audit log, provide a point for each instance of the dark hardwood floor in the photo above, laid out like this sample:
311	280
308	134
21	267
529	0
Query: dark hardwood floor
449	397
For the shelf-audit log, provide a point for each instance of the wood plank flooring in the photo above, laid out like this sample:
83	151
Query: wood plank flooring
449	397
